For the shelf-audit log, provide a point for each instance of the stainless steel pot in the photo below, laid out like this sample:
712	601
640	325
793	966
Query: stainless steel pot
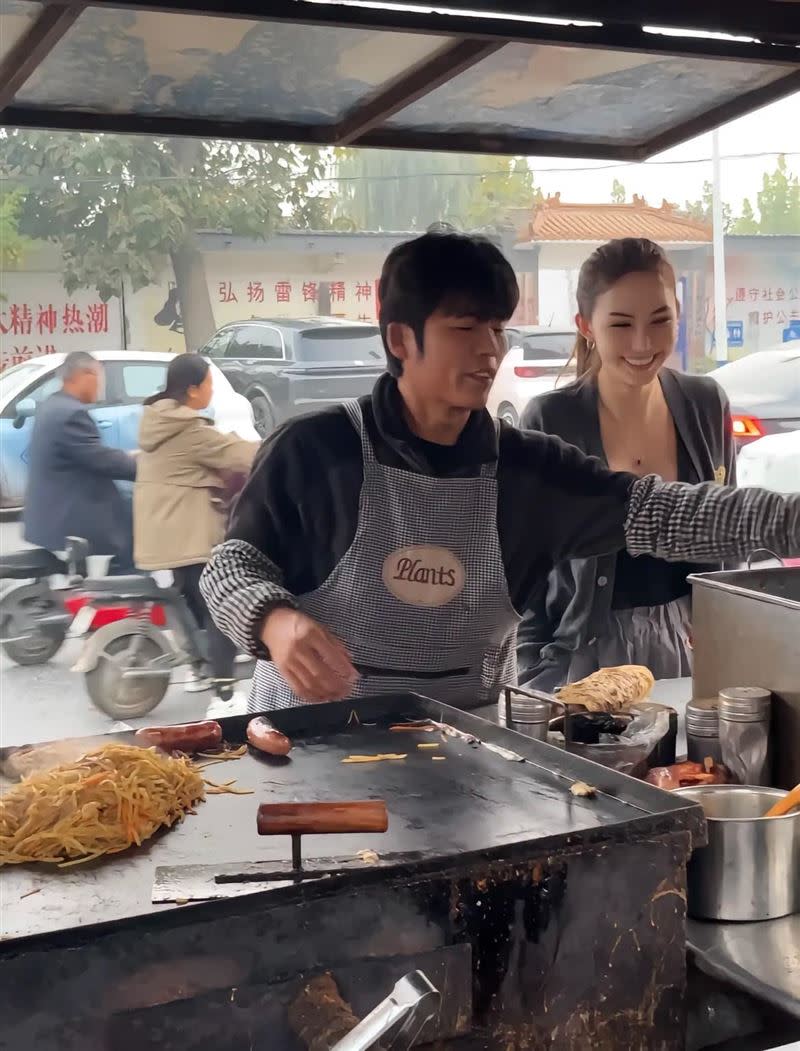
750	869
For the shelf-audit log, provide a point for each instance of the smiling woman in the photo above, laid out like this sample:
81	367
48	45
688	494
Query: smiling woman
639	416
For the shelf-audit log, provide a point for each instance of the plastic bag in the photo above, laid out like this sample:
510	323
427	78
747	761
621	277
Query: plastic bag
628	751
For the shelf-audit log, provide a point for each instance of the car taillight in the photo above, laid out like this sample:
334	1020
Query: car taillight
530	372
747	427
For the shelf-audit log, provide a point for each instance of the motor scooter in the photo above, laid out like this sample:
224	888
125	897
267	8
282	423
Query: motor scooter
128	664
34	619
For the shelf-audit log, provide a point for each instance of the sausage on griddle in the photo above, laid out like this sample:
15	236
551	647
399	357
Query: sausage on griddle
185	737
262	735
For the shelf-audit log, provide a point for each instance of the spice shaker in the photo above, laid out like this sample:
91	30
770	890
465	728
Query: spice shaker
702	730
526	711
744	733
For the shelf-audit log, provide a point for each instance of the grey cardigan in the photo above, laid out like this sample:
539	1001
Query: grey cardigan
573	608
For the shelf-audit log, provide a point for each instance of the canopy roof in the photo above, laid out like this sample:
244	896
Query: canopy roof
603	85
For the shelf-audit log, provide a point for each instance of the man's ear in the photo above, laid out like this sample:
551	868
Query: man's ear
401	341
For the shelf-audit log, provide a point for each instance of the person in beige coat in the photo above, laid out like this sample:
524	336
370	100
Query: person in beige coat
183	467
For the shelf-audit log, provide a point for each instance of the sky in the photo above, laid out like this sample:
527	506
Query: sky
771	130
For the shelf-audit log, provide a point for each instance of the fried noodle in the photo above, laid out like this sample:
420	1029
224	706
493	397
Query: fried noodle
103	803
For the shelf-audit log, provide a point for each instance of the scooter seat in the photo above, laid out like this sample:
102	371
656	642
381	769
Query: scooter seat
34	562
129	587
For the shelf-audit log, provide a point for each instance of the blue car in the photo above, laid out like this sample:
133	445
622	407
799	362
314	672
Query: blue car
130	377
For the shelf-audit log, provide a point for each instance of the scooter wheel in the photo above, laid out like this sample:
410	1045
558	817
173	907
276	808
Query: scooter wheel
124	696
19	611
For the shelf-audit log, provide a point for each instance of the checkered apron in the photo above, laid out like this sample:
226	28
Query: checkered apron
459	652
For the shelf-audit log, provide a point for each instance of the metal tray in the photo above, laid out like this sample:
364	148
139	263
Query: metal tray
477	803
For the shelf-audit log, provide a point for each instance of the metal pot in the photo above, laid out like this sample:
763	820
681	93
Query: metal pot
750	869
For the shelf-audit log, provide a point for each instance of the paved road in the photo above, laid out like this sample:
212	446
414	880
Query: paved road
50	702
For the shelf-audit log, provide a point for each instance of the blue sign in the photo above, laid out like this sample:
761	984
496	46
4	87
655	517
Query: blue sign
792	332
735	333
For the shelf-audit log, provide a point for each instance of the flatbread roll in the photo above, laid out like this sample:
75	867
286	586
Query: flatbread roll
610	689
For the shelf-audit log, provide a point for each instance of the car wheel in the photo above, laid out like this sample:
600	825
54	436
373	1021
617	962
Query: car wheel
263	417
508	414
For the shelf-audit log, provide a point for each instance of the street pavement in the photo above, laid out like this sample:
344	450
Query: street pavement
49	702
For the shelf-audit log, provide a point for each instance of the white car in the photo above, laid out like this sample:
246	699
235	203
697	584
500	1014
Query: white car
130	377
773	463
537	361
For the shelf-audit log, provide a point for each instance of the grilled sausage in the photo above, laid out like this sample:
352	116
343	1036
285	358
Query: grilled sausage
262	735
185	737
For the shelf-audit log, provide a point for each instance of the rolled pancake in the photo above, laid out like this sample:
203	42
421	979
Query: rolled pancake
610	689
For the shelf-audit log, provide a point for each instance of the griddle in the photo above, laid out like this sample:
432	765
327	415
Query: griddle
474	804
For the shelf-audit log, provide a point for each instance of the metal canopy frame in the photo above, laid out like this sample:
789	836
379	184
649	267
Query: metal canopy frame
775	27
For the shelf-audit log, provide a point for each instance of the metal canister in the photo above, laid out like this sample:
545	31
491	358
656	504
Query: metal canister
702	730
526	711
750	869
744	733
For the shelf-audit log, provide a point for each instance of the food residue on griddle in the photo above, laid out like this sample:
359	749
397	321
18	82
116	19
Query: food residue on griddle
425	728
369	857
374	758
428	744
438	758
582	790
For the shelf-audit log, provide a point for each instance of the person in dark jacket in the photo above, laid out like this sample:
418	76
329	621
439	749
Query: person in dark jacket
635	414
388	544
71	490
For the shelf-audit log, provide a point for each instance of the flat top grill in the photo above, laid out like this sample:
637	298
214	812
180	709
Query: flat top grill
475	801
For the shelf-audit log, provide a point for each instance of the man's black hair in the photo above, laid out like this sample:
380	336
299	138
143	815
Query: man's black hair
460	274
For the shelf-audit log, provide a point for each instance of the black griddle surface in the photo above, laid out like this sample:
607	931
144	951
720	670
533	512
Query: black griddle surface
474	801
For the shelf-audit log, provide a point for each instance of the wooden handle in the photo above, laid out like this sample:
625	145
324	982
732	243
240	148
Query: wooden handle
286	819
783	806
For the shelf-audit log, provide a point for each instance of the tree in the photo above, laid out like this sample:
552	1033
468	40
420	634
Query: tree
747	222
618	194
401	190
704	208
779	201
118	205
12	242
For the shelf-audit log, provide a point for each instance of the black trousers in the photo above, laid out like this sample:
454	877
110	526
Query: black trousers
221	651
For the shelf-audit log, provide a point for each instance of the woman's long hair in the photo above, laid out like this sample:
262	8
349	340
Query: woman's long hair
185	371
604	267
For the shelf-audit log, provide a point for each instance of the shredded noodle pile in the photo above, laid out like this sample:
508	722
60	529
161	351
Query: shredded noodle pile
101	804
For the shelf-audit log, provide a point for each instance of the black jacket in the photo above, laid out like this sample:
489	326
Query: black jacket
575	606
300	506
71	491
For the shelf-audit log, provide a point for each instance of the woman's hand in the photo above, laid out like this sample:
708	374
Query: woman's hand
314	663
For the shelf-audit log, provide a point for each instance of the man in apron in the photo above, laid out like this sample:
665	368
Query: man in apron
387	544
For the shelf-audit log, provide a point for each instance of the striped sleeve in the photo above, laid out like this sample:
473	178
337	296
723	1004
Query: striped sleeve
241	585
709	522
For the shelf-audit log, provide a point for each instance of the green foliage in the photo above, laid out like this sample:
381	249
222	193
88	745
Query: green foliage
118	205
747	222
704	208
779	201
618	195
401	190
12	243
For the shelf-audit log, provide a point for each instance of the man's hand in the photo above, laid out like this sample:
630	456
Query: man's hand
314	663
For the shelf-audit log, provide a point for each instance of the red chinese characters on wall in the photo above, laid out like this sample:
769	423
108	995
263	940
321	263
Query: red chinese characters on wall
771	306
30	326
359	297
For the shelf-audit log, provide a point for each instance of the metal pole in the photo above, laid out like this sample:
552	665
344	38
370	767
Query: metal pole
718	238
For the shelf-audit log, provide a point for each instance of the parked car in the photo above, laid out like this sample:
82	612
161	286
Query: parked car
764	392
286	367
130	377
536	362
773	463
